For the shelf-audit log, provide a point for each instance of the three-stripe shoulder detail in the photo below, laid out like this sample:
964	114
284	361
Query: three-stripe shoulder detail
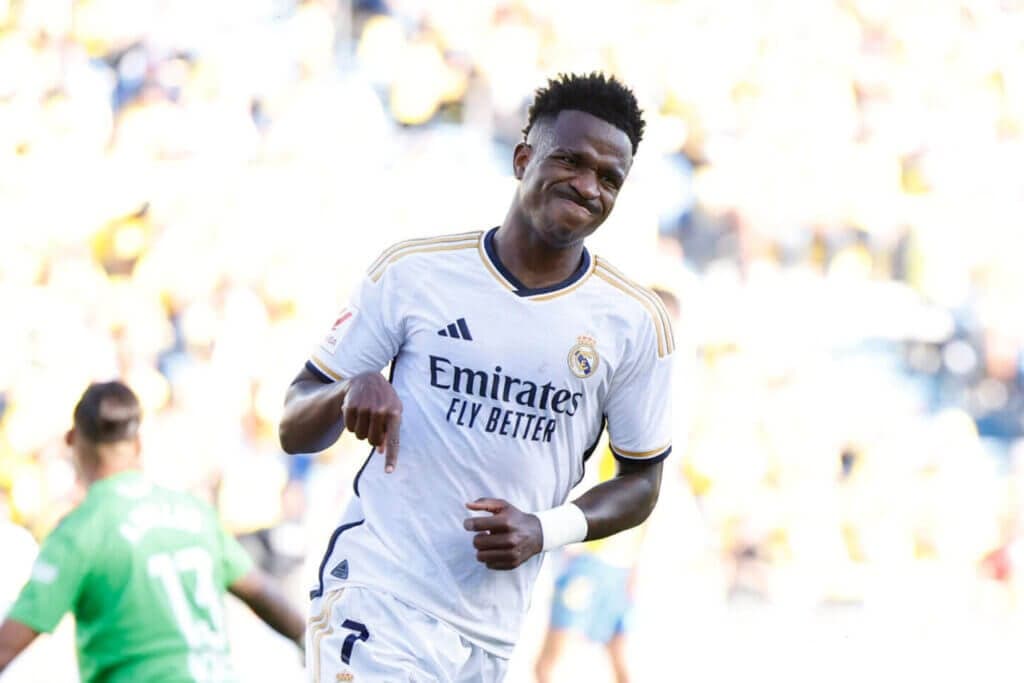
465	240
648	299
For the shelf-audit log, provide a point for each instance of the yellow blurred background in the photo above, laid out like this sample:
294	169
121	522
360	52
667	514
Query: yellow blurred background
189	189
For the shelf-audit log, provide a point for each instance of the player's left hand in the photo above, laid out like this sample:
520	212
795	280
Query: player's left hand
505	539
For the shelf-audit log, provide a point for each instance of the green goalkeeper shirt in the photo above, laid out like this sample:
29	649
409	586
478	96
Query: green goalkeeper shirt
144	570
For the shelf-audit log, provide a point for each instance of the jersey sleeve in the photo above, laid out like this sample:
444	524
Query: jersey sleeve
235	561
54	584
366	335
639	407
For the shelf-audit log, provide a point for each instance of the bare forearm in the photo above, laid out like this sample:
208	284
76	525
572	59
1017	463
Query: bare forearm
312	418
265	599
14	637
272	608
620	503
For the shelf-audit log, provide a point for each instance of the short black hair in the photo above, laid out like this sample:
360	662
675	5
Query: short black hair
108	412
596	94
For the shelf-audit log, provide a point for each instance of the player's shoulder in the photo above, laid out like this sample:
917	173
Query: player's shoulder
645	305
78	524
155	499
433	249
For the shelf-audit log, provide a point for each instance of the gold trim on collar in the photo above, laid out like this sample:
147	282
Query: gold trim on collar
571	288
490	266
546	296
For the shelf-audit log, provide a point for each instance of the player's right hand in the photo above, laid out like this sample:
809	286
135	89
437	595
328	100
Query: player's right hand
373	411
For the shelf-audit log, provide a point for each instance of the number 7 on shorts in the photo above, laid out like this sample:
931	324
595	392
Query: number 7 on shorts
360	634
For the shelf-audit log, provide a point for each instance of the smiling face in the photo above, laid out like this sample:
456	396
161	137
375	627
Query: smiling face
571	169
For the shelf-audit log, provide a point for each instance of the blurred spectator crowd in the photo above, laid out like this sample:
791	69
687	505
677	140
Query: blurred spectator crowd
189	189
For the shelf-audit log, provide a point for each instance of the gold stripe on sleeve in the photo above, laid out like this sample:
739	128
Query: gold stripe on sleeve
421	241
645	302
650	296
419	249
640	455
322	367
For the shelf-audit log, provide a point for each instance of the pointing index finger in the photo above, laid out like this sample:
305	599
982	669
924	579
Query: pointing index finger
391	442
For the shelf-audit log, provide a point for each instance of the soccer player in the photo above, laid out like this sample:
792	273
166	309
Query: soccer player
510	350
142	568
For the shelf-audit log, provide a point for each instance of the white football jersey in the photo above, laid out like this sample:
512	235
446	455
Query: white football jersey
505	391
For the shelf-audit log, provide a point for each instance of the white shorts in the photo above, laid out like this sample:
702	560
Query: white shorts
367	636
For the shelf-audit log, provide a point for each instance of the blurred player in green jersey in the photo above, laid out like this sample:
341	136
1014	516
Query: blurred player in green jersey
143	569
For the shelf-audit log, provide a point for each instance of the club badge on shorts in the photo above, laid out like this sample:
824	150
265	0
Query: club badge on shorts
583	358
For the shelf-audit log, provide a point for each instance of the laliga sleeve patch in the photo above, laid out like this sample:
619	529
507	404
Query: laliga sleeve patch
43	572
338	330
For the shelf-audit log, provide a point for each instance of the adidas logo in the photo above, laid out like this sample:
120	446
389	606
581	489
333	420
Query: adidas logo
341	571
457	330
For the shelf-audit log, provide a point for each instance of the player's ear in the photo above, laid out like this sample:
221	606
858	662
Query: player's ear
520	158
69	437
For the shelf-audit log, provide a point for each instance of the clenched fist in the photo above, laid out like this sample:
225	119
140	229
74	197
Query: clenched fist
505	539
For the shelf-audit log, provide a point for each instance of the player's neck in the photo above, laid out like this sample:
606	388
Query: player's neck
535	263
105	472
114	460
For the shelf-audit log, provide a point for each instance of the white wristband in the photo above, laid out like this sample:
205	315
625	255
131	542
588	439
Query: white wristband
562	525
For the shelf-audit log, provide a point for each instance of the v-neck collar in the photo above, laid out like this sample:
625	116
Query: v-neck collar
490	254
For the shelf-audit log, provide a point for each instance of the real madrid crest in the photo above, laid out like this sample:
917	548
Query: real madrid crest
583	358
